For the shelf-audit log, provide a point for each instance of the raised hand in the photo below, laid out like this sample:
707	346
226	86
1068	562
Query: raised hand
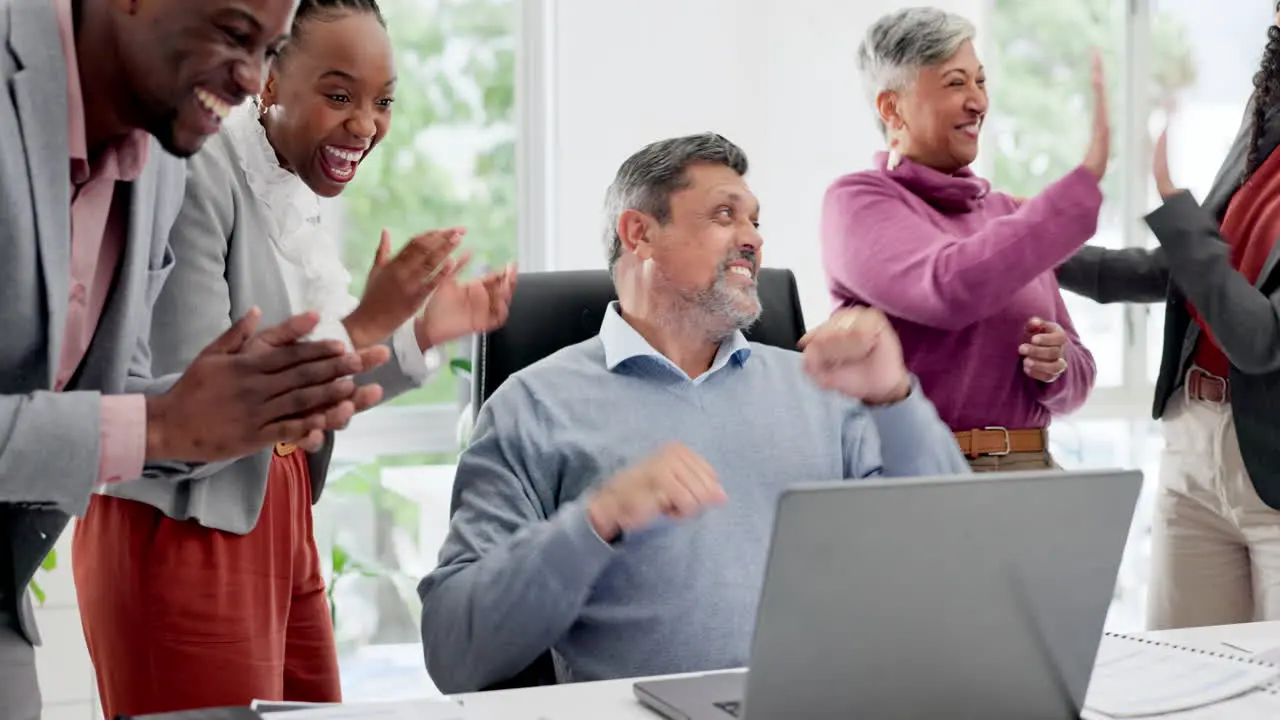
673	482
1160	166
1043	351
458	309
1099	152
857	352
398	286
246	391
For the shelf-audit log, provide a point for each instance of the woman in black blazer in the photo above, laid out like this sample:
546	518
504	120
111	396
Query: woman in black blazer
1216	532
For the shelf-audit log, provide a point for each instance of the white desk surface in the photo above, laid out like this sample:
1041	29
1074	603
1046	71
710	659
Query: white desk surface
613	699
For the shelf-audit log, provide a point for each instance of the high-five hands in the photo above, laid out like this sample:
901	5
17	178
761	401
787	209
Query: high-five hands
398	286
857	352
1160	166
1099	152
673	482
246	391
1043	352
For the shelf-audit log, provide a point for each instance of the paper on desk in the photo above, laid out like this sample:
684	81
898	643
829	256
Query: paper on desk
1256	705
435	709
1136	678
271	706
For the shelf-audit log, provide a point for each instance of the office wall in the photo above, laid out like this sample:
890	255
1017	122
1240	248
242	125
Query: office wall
775	77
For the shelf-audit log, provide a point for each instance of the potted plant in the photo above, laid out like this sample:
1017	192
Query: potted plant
50	562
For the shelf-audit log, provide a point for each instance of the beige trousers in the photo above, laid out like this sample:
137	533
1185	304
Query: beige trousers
1215	546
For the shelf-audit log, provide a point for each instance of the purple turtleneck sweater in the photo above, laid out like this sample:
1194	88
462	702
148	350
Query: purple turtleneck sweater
960	270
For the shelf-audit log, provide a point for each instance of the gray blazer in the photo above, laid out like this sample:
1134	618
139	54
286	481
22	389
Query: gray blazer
1193	263
49	441
225	266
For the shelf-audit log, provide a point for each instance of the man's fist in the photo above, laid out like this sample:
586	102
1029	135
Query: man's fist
857	352
673	482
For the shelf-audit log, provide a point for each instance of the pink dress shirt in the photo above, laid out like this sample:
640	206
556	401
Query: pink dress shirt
99	231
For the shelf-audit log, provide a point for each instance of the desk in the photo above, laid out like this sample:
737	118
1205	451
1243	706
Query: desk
614	700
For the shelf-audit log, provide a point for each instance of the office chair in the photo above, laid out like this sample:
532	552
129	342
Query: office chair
553	310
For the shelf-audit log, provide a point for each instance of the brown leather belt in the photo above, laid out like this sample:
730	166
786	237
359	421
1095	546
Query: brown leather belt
1000	441
1207	387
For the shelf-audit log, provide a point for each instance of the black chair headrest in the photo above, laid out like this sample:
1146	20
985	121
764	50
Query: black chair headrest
553	310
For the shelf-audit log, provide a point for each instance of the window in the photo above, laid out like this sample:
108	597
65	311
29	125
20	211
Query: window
1197	57
1038	128
449	159
1111	443
1226	49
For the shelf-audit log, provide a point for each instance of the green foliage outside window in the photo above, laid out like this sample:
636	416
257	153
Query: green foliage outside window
1039	78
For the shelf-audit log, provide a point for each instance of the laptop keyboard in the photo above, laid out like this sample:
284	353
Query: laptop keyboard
733	707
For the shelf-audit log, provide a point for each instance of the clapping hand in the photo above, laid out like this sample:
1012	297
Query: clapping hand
460	308
398	286
1043	352
248	390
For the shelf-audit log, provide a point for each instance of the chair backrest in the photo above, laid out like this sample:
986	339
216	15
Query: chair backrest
553	310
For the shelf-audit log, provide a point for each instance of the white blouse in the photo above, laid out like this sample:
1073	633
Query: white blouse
309	260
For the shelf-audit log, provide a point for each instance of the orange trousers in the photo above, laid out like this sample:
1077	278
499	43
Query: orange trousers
178	616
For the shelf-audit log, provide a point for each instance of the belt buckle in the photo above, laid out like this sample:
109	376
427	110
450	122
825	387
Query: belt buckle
1201	375
1222	387
1008	444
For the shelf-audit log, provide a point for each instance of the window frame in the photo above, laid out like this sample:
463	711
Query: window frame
1132	399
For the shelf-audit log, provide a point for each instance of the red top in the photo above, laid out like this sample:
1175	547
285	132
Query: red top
1251	226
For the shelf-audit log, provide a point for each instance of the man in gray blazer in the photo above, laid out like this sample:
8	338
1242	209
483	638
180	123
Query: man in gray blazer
1195	570
120	92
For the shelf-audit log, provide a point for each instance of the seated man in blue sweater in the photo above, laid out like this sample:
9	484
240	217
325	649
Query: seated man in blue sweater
616	501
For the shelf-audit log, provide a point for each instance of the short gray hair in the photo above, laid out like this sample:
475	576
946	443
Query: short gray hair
647	180
900	43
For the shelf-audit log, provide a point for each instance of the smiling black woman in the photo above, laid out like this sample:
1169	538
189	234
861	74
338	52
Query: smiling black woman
207	591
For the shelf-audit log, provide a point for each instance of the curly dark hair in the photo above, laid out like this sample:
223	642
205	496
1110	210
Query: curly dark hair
1266	96
327	10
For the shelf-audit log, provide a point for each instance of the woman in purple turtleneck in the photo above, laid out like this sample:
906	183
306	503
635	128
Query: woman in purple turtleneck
965	274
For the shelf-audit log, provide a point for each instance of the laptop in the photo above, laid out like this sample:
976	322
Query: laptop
978	596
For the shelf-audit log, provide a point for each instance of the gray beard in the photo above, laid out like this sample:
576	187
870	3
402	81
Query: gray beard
716	311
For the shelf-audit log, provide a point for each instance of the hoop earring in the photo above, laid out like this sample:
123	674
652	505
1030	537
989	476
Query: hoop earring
262	109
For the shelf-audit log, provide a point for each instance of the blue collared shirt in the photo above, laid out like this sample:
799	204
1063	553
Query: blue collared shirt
623	343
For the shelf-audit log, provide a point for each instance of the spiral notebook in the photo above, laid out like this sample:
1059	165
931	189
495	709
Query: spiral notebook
1136	677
